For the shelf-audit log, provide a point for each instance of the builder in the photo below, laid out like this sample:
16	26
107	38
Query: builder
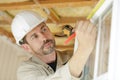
32	34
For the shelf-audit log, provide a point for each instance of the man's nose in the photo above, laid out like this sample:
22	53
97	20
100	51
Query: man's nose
42	37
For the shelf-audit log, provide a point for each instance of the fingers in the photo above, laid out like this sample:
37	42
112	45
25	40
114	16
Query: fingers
94	31
90	27
73	30
82	26
85	27
78	26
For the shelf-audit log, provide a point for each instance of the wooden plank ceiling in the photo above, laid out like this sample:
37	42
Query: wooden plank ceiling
58	12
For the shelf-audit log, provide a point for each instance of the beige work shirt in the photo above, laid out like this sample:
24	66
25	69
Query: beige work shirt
35	69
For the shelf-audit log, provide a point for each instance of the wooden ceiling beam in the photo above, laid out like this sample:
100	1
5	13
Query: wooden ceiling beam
68	20
63	48
50	13
71	19
4	22
47	4
53	16
63	20
6	16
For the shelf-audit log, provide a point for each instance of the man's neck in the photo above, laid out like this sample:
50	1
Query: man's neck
48	58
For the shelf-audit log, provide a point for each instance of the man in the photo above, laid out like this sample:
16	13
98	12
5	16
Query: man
32	34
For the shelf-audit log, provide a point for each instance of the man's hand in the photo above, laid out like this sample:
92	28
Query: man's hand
86	35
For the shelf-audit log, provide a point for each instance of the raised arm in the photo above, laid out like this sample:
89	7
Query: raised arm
86	36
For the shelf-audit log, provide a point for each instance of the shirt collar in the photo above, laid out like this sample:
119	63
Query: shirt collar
61	60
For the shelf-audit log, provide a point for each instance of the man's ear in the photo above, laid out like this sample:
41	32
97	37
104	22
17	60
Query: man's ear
26	47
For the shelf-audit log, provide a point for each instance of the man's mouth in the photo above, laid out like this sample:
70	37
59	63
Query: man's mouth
48	44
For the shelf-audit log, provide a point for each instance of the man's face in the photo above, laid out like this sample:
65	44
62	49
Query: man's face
41	40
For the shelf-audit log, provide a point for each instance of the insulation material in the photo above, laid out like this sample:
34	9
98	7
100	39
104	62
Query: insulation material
9	1
10	57
74	12
7	34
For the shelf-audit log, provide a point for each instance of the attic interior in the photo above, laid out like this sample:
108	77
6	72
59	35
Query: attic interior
58	14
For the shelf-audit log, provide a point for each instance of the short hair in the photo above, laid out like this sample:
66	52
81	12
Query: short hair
23	41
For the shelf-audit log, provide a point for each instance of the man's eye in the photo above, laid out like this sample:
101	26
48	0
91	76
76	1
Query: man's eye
34	37
44	29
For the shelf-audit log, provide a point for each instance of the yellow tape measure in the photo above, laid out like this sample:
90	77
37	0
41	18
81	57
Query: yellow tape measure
99	4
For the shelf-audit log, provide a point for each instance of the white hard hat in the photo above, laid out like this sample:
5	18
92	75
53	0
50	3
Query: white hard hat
24	22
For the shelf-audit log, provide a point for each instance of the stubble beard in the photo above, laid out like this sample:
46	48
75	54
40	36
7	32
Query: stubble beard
50	49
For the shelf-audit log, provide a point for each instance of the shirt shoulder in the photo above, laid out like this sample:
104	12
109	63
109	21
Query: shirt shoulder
64	55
